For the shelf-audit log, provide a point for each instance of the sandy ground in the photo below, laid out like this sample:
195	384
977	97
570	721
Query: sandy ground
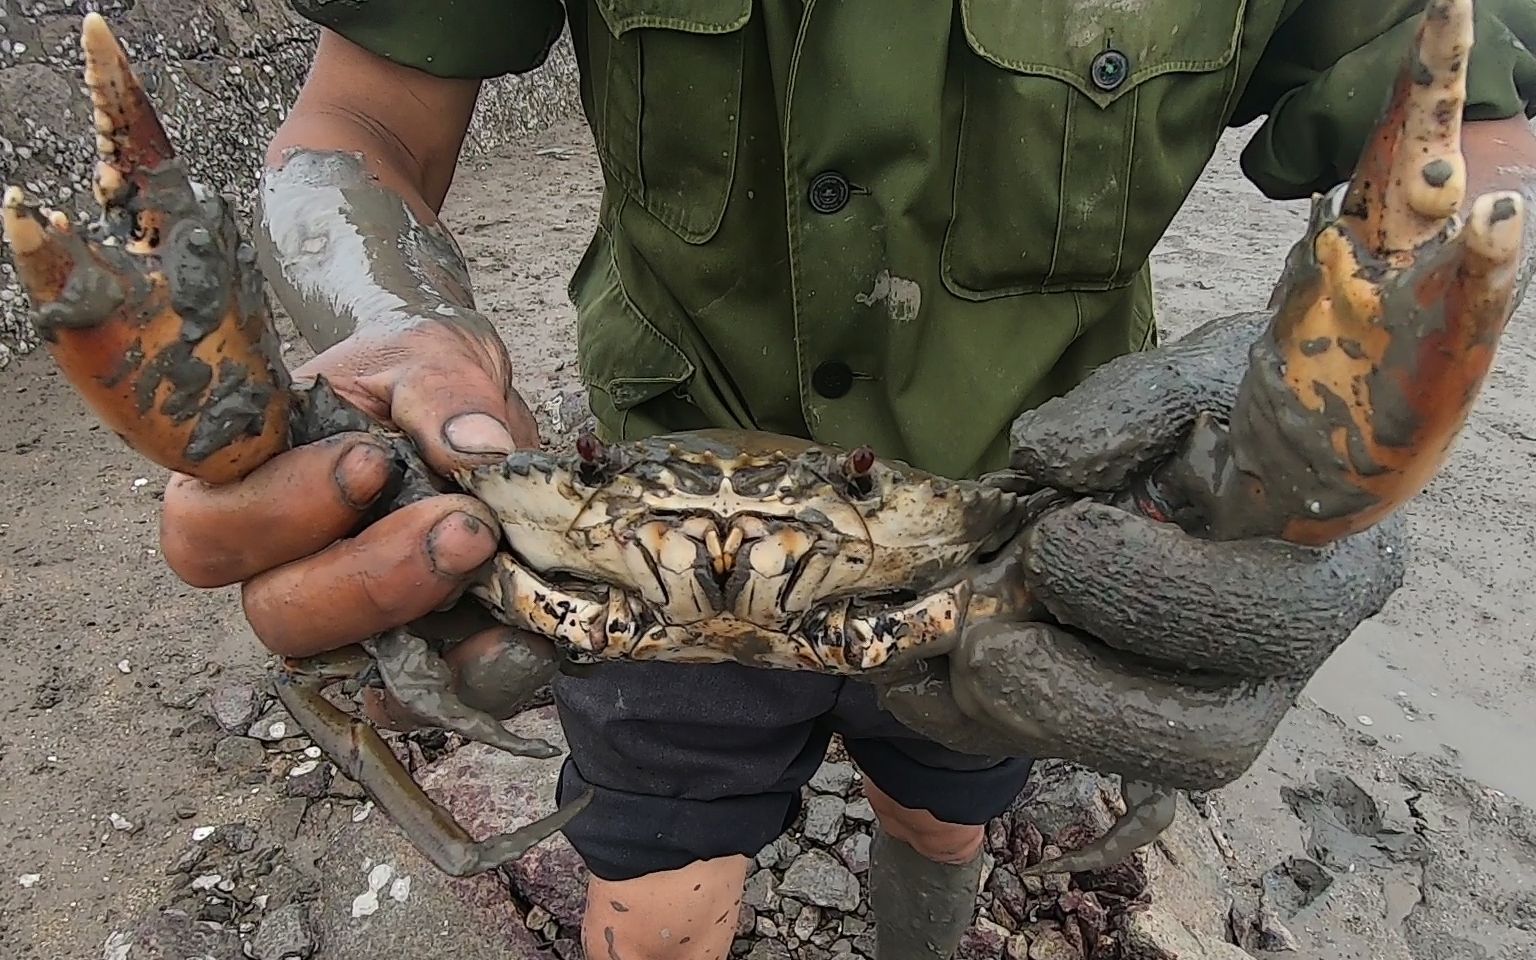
105	654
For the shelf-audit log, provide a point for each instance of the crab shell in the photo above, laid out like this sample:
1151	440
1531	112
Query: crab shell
784	552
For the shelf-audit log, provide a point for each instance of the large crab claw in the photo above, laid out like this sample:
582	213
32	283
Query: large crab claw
156	314
1385	324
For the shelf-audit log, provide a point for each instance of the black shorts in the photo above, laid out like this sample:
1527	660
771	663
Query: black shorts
693	762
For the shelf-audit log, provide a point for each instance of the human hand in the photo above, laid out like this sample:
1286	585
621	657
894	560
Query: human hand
1151	653
285	532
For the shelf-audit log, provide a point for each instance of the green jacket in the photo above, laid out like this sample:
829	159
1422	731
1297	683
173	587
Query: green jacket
901	222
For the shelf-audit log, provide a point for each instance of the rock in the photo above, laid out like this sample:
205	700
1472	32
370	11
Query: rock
1158	934
238	753
766	927
807	922
272	726
234	706
860	810
854	852
768	950
172	935
984	941
816	877
284	933
1061	794
767	857
537	917
833	778
746	921
1017	947
1049	943
761	891
310	779
824	819
491	791
1008	894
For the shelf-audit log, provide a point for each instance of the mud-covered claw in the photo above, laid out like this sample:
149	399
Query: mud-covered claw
1149	810
1385	325
155	312
423	683
361	754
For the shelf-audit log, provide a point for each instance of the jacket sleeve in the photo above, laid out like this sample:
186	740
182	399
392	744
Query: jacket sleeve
1326	73
446	38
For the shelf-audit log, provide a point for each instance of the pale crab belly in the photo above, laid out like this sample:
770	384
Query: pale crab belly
595	623
766	558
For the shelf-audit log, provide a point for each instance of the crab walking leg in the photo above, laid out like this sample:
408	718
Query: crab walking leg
1149	810
423	684
1385	325
361	754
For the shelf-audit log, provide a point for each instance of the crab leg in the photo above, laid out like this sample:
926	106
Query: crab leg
360	753
1149	810
423	684
1385	324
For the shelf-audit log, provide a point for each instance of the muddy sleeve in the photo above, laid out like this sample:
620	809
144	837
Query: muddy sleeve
1325	75
446	38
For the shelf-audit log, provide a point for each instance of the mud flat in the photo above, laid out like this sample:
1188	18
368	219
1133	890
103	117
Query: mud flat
140	769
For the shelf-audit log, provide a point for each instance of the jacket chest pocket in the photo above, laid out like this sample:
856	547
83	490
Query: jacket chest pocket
666	103
1081	134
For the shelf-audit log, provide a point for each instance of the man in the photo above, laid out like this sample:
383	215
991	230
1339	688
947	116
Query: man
898	223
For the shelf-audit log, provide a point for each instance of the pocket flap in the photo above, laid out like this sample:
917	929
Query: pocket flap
1153	36
689	16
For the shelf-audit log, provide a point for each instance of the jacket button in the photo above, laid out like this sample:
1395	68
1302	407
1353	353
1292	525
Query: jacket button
829	192
1109	69
832	379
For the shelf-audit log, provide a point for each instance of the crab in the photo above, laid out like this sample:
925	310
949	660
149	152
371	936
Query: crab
768	550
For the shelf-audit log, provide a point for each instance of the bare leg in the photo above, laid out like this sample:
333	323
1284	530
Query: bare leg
684	914
923	880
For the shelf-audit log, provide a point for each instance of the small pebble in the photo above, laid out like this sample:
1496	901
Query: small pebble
29	879
1365	721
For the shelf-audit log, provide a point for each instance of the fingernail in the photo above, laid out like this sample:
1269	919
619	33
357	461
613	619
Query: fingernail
358	474
459	543
478	433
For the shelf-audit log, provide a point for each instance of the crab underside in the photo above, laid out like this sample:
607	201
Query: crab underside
767	550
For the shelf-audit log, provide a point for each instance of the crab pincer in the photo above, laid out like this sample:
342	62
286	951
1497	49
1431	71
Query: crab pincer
156	314
155	311
1385	324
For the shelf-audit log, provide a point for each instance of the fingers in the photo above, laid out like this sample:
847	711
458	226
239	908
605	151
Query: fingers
1249	608
1053	694
1133	410
290	507
461	413
406	565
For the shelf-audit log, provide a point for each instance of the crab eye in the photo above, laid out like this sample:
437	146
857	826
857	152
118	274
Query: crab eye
856	467
594	457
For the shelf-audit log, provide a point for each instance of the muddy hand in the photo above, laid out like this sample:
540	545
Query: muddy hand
1385	325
